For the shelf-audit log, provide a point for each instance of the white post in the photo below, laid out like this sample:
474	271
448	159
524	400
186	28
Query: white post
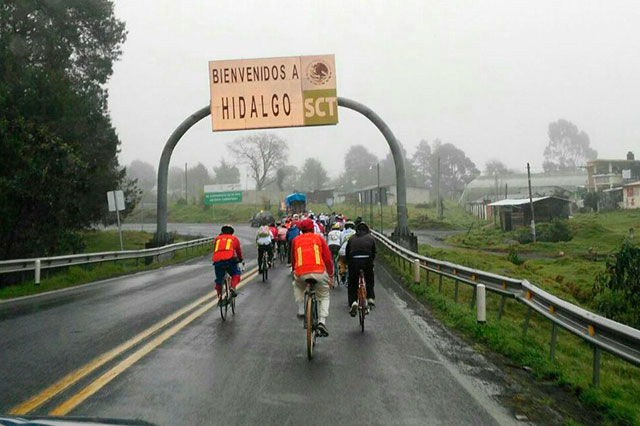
481	304
119	228
37	272
416	271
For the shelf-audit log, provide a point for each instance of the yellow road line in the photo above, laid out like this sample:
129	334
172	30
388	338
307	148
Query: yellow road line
73	377
71	403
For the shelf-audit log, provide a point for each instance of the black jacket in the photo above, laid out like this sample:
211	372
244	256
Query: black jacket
361	244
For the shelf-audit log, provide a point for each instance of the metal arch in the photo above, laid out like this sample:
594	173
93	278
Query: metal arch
401	230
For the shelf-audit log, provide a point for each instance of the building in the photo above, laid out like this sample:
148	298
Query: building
515	213
631	195
487	189
387	194
608	174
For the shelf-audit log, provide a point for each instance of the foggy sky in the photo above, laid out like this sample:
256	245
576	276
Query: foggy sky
487	76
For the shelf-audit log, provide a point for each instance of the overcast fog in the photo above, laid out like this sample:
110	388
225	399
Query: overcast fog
486	76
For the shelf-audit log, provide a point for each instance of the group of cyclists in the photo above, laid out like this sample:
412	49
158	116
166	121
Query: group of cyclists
314	247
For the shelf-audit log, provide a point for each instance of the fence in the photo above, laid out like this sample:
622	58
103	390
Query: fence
36	264
601	333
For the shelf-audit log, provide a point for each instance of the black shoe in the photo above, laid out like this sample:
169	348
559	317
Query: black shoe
234	293
322	330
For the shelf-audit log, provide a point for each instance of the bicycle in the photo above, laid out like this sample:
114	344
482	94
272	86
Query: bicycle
264	265
363	307
310	316
336	270
282	252
226	300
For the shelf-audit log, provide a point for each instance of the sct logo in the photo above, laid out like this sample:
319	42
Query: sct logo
320	107
318	72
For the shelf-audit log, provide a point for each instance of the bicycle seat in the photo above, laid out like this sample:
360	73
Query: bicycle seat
311	281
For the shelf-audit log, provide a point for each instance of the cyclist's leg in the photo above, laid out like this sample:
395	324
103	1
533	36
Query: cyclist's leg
260	251
219	268
369	278
322	295
270	252
234	271
354	279
299	286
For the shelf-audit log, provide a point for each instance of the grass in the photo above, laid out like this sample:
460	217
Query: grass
617	397
98	241
420	216
566	269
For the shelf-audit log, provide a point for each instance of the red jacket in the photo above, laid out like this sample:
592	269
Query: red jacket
311	254
225	247
274	232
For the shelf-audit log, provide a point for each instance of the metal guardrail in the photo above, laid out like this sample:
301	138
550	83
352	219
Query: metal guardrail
35	264
601	333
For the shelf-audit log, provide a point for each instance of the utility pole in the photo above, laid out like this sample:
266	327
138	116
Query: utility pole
533	219
506	191
438	202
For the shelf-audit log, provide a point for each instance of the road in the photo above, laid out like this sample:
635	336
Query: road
196	369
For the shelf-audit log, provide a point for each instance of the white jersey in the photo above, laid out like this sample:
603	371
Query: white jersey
334	238
346	234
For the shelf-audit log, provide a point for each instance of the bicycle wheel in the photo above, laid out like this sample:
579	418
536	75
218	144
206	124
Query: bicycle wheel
308	318
263	266
221	302
232	300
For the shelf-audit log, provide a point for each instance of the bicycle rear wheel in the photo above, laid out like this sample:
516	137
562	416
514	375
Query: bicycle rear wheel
221	303
232	301
308	318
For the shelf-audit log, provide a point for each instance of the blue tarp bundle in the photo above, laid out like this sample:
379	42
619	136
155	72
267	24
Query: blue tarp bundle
295	197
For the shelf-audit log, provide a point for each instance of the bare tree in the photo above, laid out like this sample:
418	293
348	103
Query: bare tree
264	153
495	167
568	149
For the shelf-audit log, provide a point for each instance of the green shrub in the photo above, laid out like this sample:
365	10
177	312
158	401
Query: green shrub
513	257
617	288
557	230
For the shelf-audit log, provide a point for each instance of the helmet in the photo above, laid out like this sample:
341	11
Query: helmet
358	220
278	223
306	225
296	216
336	226
227	229
362	227
350	225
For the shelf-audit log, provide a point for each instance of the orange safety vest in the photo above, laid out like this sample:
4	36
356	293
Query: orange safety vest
223	249
308	254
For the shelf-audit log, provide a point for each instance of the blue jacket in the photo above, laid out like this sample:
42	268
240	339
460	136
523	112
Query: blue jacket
292	233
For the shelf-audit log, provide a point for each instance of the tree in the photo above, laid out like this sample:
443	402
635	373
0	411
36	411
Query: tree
264	153
313	175
388	169
226	173
144	174
495	167
175	183
421	161
287	178
568	147
357	168
55	58
456	169
197	178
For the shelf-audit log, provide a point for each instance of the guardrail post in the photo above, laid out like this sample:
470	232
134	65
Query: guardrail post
481	304
525	326
439	283
416	271
596	366
473	297
501	307
37	272
455	297
554	334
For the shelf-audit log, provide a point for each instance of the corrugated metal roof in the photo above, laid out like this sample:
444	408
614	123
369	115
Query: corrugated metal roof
519	202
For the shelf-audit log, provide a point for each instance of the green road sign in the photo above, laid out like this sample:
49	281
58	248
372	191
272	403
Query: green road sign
222	197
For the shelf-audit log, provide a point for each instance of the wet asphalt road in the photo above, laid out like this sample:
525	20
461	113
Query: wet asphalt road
251	369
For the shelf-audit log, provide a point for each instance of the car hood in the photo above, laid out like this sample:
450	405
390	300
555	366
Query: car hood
68	421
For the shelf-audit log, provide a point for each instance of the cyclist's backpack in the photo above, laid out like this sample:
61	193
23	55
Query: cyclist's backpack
264	232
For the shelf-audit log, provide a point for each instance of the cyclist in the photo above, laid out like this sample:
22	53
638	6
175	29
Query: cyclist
292	232
347	232
274	237
360	254
282	237
263	240
312	259
333	241
227	253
